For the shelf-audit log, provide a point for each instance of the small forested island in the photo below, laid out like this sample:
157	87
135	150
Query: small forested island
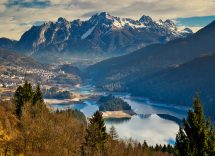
55	93
114	107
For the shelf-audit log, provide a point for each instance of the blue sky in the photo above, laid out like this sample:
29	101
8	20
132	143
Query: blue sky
17	16
195	22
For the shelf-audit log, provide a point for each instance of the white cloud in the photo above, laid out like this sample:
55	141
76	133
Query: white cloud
72	9
2	6
194	29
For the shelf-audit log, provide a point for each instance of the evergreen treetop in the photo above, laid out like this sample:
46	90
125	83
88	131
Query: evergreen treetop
25	94
38	96
96	136
197	137
113	133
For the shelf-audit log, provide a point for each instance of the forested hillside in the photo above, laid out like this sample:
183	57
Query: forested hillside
178	84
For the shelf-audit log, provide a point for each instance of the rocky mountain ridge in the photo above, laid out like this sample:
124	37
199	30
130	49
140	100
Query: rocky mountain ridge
102	34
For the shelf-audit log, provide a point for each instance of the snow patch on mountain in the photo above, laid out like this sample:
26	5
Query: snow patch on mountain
86	34
116	24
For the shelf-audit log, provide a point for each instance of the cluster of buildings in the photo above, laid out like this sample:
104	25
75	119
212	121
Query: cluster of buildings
12	76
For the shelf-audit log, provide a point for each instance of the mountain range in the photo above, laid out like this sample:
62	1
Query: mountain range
170	72
102	34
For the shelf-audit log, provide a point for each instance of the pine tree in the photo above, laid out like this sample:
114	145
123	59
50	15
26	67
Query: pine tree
18	98
22	95
96	136
27	92
164	148
197	136
157	147
38	96
145	145
182	143
113	133
170	149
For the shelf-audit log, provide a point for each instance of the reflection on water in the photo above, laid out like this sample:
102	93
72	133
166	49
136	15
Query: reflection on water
154	129
88	107
142	107
156	123
171	118
113	121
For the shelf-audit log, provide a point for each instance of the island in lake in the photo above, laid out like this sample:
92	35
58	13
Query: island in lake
114	107
55	93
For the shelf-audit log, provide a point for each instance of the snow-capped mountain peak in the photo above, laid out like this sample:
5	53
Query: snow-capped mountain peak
105	15
61	20
102	33
171	24
101	18
146	19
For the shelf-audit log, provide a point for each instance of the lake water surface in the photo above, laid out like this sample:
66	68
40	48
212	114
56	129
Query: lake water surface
147	125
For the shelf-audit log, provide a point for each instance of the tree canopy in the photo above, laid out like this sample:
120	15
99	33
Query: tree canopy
96	136
24	94
197	136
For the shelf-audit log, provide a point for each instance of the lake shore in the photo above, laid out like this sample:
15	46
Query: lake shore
117	114
76	98
59	101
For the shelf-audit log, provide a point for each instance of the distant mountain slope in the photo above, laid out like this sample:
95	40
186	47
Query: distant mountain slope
8	58
170	73
156	57
102	34
7	43
178	85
